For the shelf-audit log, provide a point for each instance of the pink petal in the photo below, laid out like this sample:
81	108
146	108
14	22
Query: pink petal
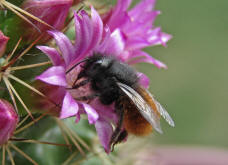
119	21
115	44
106	36
91	113
140	26
157	37
97	29
143	6
125	56
87	24
136	43
154	36
107	112
87	34
52	53
104	131
123	5
165	38
119	16
69	107
143	80
64	45
54	75
144	57
79	33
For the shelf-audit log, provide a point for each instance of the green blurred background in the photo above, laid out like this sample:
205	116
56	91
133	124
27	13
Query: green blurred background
194	88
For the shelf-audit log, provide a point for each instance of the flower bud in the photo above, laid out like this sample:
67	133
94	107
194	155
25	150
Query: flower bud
8	121
52	12
3	43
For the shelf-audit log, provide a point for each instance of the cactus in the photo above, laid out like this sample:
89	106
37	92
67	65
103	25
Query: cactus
32	105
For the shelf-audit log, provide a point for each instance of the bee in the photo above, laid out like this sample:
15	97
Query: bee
116	82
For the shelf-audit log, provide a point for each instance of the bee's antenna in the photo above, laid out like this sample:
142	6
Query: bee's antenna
76	65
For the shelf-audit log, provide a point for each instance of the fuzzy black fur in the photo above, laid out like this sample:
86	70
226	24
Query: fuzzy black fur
103	72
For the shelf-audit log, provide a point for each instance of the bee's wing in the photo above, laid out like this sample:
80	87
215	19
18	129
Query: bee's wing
162	111
165	114
146	111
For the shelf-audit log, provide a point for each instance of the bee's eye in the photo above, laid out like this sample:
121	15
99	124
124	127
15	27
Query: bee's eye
96	66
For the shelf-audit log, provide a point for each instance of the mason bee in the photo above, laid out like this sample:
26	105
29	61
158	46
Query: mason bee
115	82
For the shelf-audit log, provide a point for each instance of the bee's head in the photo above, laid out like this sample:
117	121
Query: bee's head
97	63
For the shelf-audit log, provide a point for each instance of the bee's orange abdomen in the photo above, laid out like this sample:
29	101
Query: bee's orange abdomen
134	123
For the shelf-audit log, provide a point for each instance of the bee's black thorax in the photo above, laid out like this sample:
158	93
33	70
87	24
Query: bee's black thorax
104	71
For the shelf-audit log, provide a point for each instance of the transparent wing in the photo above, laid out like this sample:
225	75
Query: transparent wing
162	111
165	114
146	111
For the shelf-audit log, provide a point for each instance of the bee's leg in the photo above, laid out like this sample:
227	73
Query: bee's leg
122	136
82	83
87	98
80	75
117	132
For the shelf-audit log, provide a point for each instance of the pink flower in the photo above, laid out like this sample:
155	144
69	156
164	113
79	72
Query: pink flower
137	30
8	121
3	43
92	36
71	54
52	12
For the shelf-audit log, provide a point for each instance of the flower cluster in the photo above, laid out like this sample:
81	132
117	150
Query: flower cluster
121	33
137	30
